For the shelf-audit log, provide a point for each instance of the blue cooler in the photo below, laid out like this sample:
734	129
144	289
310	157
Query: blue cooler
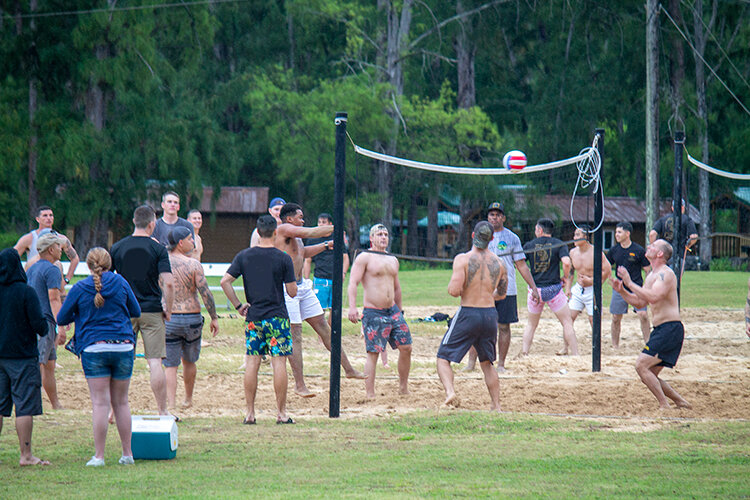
154	437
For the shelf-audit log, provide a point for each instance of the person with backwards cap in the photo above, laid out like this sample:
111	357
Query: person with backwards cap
506	245
479	278
184	329
274	208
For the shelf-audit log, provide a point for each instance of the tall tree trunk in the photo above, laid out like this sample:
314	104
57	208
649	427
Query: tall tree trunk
412	235
465	55
432	224
398	25
555	153
700	87
466	211
652	113
33	107
676	64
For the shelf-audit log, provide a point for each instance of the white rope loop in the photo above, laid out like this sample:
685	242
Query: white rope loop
589	170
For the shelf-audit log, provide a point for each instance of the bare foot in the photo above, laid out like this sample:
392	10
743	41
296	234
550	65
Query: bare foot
386	366
404	391
186	404
496	409
562	352
32	461
57	406
501	369
452	400
521	355
468	368
370	397
356	374
684	404
304	393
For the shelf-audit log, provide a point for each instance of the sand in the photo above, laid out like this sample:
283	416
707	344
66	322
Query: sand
713	374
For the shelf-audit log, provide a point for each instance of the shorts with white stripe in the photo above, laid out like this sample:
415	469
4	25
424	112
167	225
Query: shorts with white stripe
471	326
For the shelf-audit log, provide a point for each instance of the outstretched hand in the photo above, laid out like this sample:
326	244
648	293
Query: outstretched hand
624	275
616	285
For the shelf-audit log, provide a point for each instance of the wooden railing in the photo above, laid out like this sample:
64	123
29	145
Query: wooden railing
730	245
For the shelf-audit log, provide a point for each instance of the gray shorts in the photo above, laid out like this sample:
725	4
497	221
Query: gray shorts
183	338
20	386
619	306
47	345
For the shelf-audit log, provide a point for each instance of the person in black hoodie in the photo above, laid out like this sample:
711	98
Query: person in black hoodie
21	320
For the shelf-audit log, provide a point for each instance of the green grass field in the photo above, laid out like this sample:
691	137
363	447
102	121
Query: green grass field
426	454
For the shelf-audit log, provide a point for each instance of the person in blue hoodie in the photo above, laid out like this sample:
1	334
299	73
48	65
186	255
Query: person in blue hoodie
21	320
101	307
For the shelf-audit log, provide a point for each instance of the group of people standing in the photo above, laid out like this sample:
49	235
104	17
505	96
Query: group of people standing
148	283
152	281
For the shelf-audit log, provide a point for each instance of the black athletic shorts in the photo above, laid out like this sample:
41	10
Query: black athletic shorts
507	310
666	343
20	386
471	326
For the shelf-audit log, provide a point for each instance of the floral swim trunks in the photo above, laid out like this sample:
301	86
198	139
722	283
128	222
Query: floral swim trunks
384	325
268	336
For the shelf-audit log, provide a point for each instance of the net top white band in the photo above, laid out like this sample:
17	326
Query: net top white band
716	171
467	170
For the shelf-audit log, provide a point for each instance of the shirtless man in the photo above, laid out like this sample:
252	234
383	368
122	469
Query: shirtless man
382	317
196	219
582	293
479	278
305	306
665	343
27	243
185	328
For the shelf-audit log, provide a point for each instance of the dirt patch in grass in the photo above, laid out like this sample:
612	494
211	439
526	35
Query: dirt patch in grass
713	373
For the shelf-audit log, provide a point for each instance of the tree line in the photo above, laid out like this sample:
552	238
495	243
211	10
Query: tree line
103	108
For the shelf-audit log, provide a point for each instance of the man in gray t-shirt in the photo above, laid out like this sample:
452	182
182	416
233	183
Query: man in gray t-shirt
506	245
170	203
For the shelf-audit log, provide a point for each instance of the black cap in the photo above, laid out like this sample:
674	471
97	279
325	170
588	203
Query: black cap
177	234
495	205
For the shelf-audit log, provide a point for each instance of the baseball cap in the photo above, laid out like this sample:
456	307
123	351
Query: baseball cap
177	234
47	240
482	234
495	205
377	227
276	201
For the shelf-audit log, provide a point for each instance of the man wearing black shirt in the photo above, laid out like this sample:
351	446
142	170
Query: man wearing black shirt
545	254
266	272
664	229
144	264
632	257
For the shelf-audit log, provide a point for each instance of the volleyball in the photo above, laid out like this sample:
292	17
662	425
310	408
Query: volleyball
514	160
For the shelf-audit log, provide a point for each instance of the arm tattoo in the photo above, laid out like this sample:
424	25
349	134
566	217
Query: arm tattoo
502	286
208	298
661	275
473	267
494	266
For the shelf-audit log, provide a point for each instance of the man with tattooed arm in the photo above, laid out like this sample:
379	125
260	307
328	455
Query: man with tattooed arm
184	329
665	342
479	278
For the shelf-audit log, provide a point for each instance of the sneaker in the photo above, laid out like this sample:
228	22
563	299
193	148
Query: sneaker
126	460
95	462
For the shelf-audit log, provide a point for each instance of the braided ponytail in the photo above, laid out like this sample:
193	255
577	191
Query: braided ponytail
99	261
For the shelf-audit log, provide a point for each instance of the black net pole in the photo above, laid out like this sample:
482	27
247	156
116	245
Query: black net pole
338	264
596	332
678	239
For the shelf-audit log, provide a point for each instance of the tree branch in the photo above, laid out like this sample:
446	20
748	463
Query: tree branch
468	13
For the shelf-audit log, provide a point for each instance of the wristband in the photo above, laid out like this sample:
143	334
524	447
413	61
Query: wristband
238	306
67	280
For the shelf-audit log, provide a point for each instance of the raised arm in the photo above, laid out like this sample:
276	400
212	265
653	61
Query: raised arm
287	230
358	271
658	290
313	250
629	297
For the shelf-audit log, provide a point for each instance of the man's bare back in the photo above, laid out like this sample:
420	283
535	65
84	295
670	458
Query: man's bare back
479	277
185	272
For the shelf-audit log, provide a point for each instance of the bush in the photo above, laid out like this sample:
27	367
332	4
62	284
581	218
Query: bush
728	264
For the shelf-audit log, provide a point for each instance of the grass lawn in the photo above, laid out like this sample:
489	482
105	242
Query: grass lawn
425	455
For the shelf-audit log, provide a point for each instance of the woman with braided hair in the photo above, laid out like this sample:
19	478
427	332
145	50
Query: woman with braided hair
101	307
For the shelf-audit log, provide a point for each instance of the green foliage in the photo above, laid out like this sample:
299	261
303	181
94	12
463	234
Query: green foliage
7	240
